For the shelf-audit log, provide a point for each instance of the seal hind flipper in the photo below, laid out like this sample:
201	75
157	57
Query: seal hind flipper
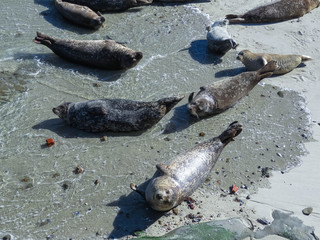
235	18
234	129
305	58
170	102
43	39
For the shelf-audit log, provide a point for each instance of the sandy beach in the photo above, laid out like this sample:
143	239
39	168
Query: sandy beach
297	188
43	198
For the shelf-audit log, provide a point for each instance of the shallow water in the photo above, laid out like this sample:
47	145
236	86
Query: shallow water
41	196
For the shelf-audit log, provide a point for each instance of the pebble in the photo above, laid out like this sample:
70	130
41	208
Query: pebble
78	170
104	139
7	237
280	94
307	211
202	134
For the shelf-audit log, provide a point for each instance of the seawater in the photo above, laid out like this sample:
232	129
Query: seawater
41	196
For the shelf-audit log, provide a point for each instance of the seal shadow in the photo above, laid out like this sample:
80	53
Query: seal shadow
134	214
180	120
59	127
230	72
198	50
54	60
52	16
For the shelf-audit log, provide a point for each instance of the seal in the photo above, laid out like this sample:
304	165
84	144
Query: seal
285	63
218	38
221	95
117	115
173	182
110	5
104	54
80	15
277	11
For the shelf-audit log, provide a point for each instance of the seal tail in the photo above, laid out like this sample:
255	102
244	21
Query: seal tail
267	70
305	58
235	18
231	132
170	102
43	39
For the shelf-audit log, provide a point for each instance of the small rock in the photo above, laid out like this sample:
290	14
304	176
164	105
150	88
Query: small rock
307	211
7	237
175	211
263	221
104	139
78	170
202	134
280	94
96	84
167	139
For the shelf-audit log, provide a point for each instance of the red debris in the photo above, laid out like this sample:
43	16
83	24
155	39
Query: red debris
50	142
234	188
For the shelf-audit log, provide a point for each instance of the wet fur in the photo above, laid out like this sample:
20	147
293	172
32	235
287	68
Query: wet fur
104	54
110	5
118	115
225	93
80	15
278	11
285	63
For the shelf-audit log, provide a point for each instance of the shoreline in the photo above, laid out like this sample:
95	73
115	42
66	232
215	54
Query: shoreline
299	187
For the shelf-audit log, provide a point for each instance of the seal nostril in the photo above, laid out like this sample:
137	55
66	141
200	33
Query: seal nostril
159	196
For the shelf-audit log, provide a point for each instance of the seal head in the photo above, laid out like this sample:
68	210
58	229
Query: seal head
62	110
163	193
202	105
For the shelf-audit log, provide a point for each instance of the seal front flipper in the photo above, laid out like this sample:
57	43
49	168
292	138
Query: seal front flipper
134	187
97	111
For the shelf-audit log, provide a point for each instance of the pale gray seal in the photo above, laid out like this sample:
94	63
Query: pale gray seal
172	183
223	94
285	63
105	54
80	15
218	38
277	11
110	5
117	115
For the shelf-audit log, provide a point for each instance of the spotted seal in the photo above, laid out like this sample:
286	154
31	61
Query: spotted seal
285	63
117	115
80	15
218	38
110	5
277	11
172	183
223	94
105	54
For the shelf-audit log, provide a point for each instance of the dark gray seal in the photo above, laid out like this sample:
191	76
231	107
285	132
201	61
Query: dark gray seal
277	11
110	5
80	15
117	115
105	54
223	94
285	62
218	38
172	183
